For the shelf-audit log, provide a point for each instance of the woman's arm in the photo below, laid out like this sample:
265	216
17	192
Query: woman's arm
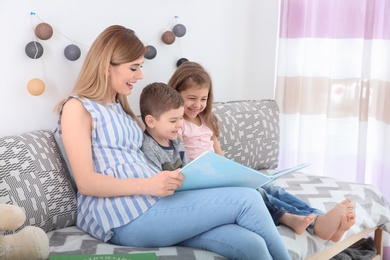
76	125
217	146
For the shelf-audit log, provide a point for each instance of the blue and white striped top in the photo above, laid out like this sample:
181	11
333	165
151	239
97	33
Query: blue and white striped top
116	142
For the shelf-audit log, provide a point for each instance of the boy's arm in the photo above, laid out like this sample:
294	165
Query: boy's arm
148	149
217	146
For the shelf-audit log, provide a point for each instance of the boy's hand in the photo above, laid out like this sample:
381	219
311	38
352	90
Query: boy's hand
166	182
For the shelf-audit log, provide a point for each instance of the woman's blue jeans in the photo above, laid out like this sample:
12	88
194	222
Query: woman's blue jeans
233	222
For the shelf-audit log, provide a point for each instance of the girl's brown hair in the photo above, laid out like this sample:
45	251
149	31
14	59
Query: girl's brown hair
191	74
115	45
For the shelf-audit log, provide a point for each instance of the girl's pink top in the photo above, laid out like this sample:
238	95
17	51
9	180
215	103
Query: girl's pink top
197	139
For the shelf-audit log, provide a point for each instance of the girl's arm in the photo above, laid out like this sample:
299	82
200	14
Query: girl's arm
217	146
76	135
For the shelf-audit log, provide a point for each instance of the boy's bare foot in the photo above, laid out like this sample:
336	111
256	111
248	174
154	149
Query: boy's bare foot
346	223
296	222
328	224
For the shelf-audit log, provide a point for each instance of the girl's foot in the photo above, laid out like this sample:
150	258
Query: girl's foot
296	222
328	224
346	223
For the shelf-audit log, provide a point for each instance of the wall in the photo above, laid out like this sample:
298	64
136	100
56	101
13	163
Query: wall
234	40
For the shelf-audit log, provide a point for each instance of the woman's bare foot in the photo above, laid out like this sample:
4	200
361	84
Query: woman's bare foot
328	224
296	222
346	223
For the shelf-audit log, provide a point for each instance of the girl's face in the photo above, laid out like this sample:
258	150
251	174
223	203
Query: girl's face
122	78
195	100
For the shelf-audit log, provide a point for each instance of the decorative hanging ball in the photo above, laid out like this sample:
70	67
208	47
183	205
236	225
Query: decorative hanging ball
34	50
179	30
43	31
35	87
181	61
168	37
150	52
72	52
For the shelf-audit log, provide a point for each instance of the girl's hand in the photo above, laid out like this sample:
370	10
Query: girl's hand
165	183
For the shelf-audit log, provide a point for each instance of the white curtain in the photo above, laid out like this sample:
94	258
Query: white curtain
333	88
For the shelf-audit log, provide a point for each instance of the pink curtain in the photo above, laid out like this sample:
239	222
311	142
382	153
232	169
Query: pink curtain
333	88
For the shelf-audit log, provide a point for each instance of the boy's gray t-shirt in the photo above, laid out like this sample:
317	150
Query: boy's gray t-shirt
164	158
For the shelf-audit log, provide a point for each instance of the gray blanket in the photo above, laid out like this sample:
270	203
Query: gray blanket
362	250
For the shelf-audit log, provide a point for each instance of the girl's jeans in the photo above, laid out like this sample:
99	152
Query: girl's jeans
233	222
279	201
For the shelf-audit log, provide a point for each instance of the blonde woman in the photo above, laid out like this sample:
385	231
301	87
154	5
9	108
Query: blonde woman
121	198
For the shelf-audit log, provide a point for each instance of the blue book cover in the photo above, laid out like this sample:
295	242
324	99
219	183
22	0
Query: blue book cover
211	170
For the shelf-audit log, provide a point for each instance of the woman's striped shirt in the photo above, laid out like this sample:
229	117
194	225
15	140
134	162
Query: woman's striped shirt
116	142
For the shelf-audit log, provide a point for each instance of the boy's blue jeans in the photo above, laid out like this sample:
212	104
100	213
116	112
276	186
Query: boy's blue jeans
279	201
233	222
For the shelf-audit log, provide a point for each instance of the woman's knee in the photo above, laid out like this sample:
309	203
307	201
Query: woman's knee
256	248
233	242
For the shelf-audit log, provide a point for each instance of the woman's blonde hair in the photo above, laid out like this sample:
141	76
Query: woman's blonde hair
191	74
115	45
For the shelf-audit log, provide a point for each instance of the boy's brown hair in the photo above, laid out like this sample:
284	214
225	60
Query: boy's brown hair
158	98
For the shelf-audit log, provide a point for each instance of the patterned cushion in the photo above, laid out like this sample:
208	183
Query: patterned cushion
249	132
32	176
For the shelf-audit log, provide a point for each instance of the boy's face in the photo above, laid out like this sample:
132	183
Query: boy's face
167	126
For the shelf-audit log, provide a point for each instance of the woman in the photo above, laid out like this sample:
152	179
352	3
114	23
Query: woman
124	200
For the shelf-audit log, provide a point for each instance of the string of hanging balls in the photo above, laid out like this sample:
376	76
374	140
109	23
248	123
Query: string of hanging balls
34	50
72	52
44	31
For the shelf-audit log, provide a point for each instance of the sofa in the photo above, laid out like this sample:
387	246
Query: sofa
34	176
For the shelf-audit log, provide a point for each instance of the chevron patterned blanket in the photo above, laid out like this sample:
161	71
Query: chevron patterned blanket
324	193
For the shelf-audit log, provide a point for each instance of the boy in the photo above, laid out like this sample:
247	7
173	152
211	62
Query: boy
162	110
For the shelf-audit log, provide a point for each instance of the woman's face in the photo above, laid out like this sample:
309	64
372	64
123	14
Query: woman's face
122	78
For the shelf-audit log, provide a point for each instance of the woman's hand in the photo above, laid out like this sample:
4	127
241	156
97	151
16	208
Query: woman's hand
165	183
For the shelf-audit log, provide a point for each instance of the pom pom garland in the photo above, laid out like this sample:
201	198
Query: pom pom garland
43	31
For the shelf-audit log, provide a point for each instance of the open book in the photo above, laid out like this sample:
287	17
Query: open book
211	170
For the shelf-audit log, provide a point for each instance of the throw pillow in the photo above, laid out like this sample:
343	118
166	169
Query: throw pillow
47	198
249	132
32	176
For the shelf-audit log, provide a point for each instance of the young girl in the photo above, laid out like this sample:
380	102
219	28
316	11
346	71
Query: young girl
199	133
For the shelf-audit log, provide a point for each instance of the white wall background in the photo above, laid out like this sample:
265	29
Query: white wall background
234	40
